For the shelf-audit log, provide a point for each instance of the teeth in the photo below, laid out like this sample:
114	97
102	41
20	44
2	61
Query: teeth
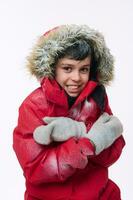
73	86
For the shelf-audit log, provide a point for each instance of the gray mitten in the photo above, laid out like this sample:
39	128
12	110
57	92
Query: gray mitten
58	129
105	131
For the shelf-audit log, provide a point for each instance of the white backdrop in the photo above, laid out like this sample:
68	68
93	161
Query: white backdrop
21	22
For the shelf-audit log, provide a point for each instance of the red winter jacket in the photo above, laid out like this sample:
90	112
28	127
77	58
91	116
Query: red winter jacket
50	171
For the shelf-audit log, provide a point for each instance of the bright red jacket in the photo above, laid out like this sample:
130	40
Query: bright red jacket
51	171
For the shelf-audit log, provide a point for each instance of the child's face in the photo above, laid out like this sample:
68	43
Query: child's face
72	75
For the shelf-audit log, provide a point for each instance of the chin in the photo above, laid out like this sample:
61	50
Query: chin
72	95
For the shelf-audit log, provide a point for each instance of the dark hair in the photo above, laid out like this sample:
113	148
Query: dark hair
79	50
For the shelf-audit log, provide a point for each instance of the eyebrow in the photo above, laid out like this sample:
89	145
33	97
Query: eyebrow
71	65
63	64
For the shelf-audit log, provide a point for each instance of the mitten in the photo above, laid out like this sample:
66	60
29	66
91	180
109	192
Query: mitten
76	152
58	129
104	132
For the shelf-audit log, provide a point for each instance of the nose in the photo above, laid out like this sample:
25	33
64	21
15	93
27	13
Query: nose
75	76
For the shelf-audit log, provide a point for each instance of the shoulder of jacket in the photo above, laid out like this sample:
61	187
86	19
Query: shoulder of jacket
35	99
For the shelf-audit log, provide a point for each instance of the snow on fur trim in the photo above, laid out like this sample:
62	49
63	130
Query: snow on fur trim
42	59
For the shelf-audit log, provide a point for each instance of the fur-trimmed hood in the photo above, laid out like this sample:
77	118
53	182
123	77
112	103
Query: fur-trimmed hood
44	54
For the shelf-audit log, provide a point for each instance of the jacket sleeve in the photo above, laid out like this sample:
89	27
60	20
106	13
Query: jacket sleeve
110	155
53	163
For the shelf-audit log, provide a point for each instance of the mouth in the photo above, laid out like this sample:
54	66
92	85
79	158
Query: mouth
73	88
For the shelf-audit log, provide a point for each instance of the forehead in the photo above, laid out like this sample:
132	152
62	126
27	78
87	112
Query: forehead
72	62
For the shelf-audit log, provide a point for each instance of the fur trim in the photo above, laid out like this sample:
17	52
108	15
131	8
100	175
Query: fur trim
42	58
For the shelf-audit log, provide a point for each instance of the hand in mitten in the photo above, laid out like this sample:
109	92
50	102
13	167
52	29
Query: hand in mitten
105	131
58	129
75	153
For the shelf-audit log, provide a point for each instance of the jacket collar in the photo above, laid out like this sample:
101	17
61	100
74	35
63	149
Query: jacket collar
54	93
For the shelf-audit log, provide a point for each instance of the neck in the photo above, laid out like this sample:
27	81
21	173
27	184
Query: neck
71	100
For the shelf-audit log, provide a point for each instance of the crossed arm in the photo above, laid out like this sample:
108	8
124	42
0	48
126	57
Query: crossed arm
102	134
58	160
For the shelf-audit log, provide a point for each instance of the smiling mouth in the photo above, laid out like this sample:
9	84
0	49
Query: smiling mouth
73	88
73	85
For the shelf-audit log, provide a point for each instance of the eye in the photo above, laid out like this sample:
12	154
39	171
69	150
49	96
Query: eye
67	69
85	70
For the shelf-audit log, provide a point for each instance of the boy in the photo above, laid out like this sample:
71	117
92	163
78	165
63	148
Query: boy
67	137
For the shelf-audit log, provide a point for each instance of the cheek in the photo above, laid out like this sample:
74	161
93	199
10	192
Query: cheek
60	78
57	75
85	79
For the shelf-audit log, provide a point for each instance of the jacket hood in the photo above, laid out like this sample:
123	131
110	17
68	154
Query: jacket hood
44	54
